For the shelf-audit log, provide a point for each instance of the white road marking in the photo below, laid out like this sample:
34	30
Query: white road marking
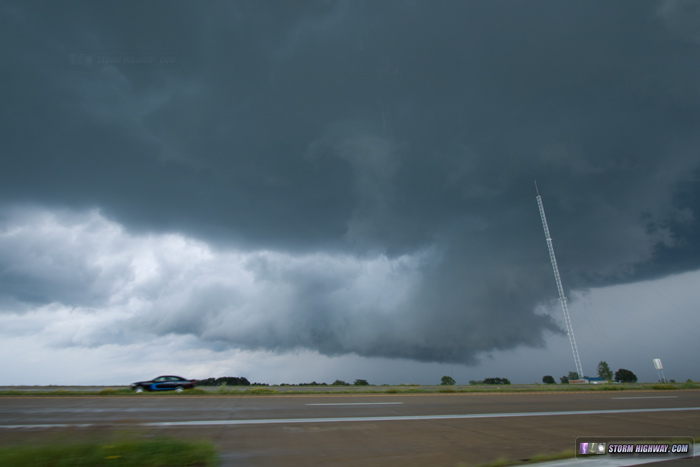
650	397
361	403
365	419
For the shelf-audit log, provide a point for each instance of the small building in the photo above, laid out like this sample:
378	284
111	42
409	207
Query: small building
596	380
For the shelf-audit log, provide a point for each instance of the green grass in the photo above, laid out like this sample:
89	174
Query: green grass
126	453
254	391
114	392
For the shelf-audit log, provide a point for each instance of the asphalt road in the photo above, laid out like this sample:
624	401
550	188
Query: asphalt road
368	430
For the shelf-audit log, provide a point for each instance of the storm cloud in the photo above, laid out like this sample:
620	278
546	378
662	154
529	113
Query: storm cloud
343	177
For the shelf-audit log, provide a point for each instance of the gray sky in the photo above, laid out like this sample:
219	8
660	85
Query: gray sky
315	190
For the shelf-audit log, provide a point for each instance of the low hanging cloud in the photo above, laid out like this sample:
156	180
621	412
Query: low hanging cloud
103	286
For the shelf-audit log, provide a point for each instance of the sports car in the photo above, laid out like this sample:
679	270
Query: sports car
164	383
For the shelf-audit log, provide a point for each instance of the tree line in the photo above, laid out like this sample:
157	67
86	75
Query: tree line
621	376
242	381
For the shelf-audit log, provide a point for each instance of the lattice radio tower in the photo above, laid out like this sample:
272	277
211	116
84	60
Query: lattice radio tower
560	288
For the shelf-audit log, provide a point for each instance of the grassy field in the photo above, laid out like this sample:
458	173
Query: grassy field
301	390
158	452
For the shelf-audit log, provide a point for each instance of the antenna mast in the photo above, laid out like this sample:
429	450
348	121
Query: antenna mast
560	288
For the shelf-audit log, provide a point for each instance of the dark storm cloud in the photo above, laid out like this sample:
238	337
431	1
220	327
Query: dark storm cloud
364	128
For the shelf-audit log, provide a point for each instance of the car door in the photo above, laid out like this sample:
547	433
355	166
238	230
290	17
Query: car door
159	384
172	382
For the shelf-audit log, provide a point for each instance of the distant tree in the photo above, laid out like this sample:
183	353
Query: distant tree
448	381
361	382
496	381
564	380
340	382
548	380
625	376
475	383
573	376
604	371
224	381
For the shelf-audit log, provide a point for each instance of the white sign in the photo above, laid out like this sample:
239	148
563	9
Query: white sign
657	364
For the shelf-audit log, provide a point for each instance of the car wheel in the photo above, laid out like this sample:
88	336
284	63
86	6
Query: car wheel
179	389
138	389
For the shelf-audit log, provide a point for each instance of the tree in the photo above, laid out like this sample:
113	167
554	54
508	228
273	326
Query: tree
448	381
564	380
548	380
604	371
361	382
224	381
340	382
573	376
625	376
496	381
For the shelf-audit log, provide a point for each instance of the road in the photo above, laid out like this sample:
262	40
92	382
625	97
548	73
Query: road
369	430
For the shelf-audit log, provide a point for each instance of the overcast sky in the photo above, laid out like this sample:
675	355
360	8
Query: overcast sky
321	190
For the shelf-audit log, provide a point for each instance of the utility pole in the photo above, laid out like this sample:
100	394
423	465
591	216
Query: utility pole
560	288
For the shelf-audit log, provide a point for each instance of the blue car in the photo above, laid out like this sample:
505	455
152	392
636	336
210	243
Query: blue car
164	383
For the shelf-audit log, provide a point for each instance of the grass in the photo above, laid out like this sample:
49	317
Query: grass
156	452
254	391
